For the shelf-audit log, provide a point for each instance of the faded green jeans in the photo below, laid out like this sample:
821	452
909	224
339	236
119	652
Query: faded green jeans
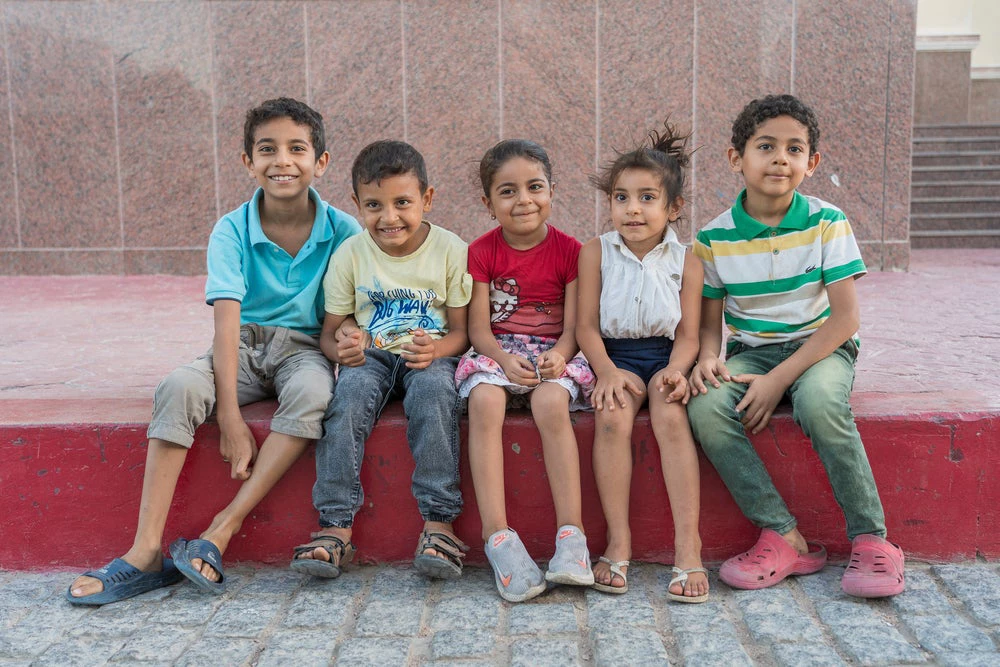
821	406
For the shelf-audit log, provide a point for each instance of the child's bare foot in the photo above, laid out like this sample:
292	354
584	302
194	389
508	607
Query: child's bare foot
615	553
147	560
797	542
696	585
439	552
218	534
326	554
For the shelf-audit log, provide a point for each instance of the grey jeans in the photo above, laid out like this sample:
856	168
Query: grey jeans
431	405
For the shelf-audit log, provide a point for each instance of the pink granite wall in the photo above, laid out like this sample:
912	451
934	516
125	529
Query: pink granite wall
124	119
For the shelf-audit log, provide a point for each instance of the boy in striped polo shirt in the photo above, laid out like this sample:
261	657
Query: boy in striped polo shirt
780	266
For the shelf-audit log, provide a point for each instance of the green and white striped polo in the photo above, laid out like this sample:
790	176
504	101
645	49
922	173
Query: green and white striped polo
774	279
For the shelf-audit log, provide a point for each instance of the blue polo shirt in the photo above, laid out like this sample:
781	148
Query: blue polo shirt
274	288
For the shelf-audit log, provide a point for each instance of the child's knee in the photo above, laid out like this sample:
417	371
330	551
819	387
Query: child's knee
613	425
549	402
673	416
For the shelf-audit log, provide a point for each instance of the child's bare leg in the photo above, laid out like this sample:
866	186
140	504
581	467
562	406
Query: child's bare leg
613	474
277	454
679	461
487	407
550	409
164	461
798	542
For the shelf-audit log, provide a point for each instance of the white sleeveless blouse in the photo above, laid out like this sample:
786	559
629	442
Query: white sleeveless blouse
640	298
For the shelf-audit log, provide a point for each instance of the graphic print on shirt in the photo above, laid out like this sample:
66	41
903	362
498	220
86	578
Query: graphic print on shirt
507	307
399	312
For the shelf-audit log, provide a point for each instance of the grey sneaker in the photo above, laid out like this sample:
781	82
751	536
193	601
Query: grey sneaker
571	562
517	576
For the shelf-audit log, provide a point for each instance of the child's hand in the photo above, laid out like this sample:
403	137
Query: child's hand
550	364
708	370
610	390
519	370
238	448
673	384
351	344
419	352
758	404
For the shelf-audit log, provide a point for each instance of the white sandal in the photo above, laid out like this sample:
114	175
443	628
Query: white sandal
616	571
681	578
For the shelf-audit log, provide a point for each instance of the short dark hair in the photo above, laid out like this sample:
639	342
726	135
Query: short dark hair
772	106
284	107
382	159
663	153
505	150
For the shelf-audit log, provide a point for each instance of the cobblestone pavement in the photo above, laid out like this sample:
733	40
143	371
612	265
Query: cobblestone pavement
949	615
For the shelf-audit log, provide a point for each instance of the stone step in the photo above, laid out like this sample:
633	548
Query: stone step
957	130
955	159
954	205
957	239
964	173
952	189
953	222
956	144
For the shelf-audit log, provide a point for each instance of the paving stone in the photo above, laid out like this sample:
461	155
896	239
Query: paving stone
187	609
722	644
349	583
26	640
544	653
83	651
109	621
164	645
272	581
977	587
461	644
788	625
468	613
399	585
528	619
218	651
243	617
919	579
699	617
824	585
312	647
474	581
922	601
320	608
943	633
373	652
734	658
631	609
618	644
389	617
968	659
876	644
814	655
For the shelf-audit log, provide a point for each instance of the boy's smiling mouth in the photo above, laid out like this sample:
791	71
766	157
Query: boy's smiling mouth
283	178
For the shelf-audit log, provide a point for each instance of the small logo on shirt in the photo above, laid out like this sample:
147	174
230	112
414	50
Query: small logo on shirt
811	268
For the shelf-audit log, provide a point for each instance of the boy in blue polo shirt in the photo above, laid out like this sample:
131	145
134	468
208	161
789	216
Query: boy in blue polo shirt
266	262
780	270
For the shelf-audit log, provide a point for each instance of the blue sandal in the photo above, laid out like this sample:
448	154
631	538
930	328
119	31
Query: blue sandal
122	581
184	552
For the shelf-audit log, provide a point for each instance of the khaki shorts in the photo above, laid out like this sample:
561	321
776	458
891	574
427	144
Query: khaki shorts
273	362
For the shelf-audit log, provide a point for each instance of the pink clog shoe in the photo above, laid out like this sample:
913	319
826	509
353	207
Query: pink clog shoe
769	561
875	570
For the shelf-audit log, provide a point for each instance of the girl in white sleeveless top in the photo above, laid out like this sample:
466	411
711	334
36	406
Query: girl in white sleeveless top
637	323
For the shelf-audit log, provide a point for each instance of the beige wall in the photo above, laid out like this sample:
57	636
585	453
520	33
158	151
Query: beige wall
964	17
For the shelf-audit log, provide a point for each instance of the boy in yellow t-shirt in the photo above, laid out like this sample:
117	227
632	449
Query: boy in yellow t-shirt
406	283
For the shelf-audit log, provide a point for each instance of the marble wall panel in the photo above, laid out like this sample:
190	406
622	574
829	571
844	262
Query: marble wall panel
63	104
984	101
899	126
177	262
259	53
640	87
941	87
850	102
356	81
10	232
550	96
729	73
60	262
163	70
453	102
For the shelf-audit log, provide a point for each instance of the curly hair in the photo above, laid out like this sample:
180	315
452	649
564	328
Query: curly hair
285	107
772	106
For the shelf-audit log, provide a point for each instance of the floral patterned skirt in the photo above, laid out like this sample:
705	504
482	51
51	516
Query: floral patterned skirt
474	369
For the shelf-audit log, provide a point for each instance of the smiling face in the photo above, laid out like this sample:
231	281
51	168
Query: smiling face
521	199
392	210
283	161
775	161
640	210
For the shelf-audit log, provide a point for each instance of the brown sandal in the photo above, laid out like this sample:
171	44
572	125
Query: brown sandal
340	554
446	566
